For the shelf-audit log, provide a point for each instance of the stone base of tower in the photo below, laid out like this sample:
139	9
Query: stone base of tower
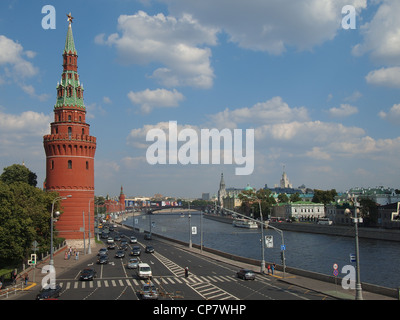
77	218
80	244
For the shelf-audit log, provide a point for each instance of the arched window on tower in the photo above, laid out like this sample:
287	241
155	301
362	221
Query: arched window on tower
69	131
69	164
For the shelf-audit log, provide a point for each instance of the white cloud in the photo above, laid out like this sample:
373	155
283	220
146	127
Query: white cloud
27	123
344	110
11	54
382	34
388	77
274	110
177	43
393	115
159	98
270	26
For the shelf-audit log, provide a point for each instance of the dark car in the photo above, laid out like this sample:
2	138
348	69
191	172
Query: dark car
149	249
117	238
246	274
88	274
102	251
111	246
120	254
135	251
123	246
147	236
49	293
103	259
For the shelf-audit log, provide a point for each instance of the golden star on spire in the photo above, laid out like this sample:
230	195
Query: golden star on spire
70	18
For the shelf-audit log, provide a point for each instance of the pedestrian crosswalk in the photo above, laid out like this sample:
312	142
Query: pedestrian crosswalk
159	280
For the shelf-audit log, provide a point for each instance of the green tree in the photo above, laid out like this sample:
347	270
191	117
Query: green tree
294	197
18	172
325	197
283	198
24	217
252	200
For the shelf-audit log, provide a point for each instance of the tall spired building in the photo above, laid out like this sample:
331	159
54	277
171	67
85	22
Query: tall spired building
70	150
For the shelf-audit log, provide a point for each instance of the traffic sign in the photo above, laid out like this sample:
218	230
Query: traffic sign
194	230
335	266
283	247
352	257
269	241
336	272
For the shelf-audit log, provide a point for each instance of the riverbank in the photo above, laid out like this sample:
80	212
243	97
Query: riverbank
342	231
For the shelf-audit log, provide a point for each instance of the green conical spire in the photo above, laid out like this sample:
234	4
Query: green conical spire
69	42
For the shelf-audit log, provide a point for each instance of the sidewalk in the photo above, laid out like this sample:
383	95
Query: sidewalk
60	263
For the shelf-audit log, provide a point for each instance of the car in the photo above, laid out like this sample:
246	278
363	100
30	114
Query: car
124	246
88	274
111	246
103	259
144	271
102	251
149	291
120	254
110	240
49	293
133	263
147	236
117	238
104	235
246	274
136	251
149	249
133	239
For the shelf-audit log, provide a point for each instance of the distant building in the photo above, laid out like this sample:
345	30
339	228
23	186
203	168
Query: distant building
379	195
385	213
205	196
306	194
221	191
284	183
300	210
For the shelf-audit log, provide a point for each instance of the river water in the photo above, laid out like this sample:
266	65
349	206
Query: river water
379	260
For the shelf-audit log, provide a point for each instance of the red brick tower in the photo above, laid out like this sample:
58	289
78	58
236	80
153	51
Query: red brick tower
70	150
122	200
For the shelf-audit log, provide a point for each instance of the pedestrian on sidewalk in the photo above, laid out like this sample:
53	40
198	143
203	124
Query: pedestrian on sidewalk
269	268
77	255
273	268
26	278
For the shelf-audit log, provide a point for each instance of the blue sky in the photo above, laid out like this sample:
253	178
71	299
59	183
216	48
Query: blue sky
323	101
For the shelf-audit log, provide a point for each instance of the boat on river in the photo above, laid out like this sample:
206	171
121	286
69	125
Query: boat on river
244	223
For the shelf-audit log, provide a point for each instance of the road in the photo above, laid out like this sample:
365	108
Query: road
208	279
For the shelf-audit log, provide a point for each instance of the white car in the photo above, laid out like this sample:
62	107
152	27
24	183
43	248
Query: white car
110	240
133	239
144	271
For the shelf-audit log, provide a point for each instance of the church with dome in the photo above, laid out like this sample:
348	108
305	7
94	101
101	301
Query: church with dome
228	197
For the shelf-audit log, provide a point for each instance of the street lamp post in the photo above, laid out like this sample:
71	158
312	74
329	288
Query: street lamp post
51	227
262	238
190	226
356	220
89	249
